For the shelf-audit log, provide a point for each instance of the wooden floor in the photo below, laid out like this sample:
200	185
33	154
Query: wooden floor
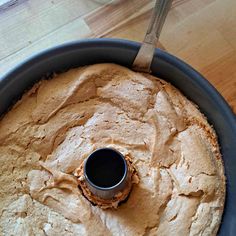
201	32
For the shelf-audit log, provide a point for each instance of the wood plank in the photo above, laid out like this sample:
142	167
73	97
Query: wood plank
32	20
135	28
207	40
5	4
222	75
224	19
111	16
199	51
191	32
70	32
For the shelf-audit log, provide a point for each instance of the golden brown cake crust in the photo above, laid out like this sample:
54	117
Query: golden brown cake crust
48	134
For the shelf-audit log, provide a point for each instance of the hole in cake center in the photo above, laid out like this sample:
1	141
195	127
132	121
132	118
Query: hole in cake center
105	168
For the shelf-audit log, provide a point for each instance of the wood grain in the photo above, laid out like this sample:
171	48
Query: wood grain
206	40
35	19
201	32
111	16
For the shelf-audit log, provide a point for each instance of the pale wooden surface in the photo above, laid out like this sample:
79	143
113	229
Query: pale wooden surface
201	32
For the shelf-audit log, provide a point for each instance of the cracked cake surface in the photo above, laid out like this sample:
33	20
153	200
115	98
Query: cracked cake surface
48	134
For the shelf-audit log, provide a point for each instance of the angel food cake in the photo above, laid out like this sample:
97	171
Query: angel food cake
49	133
